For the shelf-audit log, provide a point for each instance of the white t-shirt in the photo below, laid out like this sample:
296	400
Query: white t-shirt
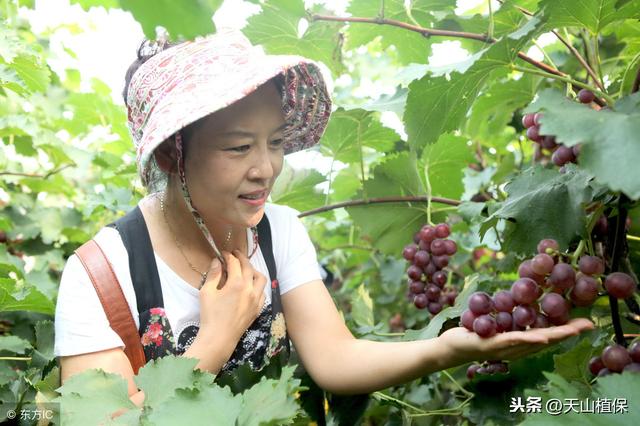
81	326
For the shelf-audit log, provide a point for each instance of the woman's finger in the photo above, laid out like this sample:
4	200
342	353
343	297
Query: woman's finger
233	265
246	268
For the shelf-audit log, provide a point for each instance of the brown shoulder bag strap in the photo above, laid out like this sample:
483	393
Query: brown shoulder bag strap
113	301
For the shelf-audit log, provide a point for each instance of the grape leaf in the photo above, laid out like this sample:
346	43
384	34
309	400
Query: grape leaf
186	19
591	14
609	138
276	28
88	4
543	203
296	188
92	396
572	365
348	131
160	378
440	104
19	297
362	307
444	163
14	344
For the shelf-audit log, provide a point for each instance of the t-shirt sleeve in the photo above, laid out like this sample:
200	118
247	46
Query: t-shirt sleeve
81	325
295	255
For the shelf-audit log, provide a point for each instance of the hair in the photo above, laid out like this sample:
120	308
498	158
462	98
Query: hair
158	178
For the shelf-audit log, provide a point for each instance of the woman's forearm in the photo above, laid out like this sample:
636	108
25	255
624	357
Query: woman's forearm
363	366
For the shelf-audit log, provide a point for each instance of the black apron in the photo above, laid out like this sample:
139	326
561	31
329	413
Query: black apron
264	339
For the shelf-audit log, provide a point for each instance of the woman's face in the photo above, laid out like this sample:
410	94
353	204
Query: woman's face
233	154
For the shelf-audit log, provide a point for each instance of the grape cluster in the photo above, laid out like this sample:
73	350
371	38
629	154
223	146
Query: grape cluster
428	257
616	359
487	367
561	154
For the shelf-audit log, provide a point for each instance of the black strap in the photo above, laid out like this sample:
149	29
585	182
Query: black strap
266	246
142	262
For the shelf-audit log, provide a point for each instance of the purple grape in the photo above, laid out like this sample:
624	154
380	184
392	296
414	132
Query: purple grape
409	252
524	315
421	258
503	301
634	351
484	326
430	269
434	308
467	318
442	230
472	370
503	322
414	272
604	372
586	96
441	261
525	271
416	287
536	118
601	228
620	285
562	276
561	320
416	238
438	247
432	292
542	321
450	247
423	245
591	265
427	234
554	305
533	133
542	264
527	120
562	156
615	357
549	143
548	244
420	301
595	365
480	303
634	367
585	292
524	291
439	278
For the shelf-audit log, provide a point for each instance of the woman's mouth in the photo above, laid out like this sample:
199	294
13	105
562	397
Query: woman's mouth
255	199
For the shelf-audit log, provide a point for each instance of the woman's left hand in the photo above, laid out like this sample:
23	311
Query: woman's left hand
466	346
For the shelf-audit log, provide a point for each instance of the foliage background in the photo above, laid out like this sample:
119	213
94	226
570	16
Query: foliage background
66	167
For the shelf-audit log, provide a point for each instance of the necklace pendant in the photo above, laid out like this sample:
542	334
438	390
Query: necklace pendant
204	279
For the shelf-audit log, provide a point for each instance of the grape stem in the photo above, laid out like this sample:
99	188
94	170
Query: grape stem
426	177
617	243
633	238
15	358
577	253
400	199
606	97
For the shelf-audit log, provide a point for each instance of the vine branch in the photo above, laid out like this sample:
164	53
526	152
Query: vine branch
617	242
35	175
379	200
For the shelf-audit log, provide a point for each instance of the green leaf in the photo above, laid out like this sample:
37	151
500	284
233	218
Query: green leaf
14	344
271	401
438	105
181	19
609	138
348	131
445	162
92	396
276	27
35	76
572	365
296	188
435	324
543	203
88	4
16	296
591	14
160	378
362	307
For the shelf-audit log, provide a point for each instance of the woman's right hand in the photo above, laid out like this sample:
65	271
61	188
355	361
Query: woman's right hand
237	303
466	346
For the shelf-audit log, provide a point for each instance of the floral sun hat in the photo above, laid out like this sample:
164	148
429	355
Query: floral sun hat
185	83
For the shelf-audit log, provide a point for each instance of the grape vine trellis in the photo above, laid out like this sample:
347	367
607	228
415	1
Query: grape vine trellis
465	161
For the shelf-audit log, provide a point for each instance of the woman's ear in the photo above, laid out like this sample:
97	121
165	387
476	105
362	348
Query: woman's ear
165	155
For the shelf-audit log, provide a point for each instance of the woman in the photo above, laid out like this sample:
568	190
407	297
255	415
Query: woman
215	117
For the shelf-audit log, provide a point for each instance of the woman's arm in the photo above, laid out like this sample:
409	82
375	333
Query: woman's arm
342	364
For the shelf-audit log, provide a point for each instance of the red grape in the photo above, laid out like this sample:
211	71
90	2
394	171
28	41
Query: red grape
503	321
586	96
524	315
503	301
549	142
524	291
472	370
434	308
533	133
548	244
585	292
450	247
467	318
562	156
421	301
416	287
409	252
554	305
442	230
634	352
439	278
484	326
561	320
427	234
480	303
421	258
433	293
536	118
525	271
615	357
430	269
562	276
441	261
414	272
438	248
527	120
542	264
620	285
595	365
542	321
591	265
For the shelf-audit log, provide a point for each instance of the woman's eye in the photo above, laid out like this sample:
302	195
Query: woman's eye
241	148
277	143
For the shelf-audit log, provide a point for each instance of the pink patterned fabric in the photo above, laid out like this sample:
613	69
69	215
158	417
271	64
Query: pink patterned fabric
179	86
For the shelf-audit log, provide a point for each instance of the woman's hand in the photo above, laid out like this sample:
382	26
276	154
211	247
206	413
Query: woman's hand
232	308
466	346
